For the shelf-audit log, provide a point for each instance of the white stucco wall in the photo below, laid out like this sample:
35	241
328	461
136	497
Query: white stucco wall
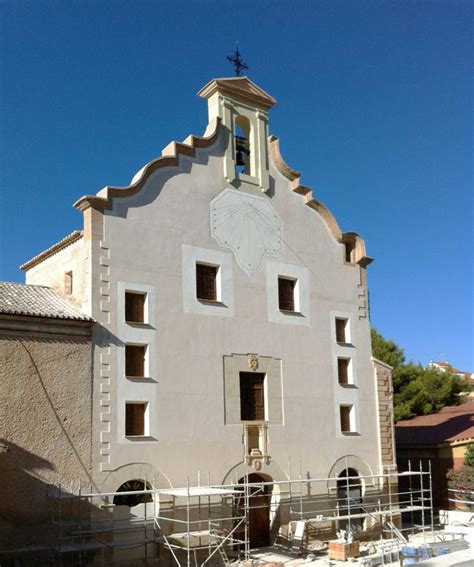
51	273
153	239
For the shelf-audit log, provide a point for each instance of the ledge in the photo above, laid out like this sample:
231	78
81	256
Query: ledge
211	302
291	313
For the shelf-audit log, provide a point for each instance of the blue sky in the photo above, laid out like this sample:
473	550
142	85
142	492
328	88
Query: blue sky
374	108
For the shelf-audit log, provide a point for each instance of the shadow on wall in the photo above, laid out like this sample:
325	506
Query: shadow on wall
104	338
29	505
25	501
59	422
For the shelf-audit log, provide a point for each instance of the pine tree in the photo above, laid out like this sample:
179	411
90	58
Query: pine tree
469	455
418	390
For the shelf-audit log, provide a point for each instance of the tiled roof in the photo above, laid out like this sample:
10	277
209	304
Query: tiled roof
36	301
454	423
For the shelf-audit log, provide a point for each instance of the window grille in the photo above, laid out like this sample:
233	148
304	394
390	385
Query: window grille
286	294
206	287
252	400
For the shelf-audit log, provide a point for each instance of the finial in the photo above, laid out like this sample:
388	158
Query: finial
237	62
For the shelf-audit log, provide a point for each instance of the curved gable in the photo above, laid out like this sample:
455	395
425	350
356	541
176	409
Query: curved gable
294	176
169	158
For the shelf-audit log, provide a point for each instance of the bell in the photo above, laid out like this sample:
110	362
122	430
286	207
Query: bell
241	149
239	157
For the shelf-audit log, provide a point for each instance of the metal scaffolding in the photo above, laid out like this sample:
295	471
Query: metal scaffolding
214	524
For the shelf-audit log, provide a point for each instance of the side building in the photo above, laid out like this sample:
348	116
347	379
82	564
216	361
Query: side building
439	439
46	386
232	334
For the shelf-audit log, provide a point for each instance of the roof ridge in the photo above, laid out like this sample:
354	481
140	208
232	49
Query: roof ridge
24	284
66	241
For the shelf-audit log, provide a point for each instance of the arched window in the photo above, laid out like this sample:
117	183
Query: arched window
242	145
132	500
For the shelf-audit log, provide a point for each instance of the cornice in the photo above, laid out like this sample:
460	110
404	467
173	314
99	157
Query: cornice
66	241
38	326
241	88
170	158
380	363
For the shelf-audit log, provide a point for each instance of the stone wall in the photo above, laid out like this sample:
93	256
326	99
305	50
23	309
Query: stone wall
46	387
383	374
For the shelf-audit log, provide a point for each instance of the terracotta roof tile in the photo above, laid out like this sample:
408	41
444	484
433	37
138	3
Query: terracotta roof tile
36	301
454	423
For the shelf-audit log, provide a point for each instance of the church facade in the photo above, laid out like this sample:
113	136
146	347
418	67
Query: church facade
232	332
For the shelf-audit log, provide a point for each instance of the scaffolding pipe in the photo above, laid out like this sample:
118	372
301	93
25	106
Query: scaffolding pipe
431	497
422	494
319	507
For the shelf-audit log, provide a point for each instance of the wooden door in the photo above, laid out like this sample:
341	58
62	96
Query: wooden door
258	513
259	521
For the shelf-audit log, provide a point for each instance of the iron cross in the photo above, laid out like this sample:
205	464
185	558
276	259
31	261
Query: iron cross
237	62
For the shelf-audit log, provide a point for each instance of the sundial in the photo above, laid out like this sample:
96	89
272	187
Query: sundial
246	224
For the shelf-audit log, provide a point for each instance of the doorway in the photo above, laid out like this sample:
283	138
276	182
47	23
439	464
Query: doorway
349	498
259	511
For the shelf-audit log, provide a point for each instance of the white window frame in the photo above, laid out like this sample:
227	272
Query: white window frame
300	275
224	305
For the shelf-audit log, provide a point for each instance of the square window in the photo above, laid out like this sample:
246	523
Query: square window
342	331
68	283
135	356
343	371
207	282
287	300
252	396
347	419
135	307
135	413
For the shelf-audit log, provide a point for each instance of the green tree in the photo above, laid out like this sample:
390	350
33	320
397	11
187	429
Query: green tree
469	455
417	390
385	350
